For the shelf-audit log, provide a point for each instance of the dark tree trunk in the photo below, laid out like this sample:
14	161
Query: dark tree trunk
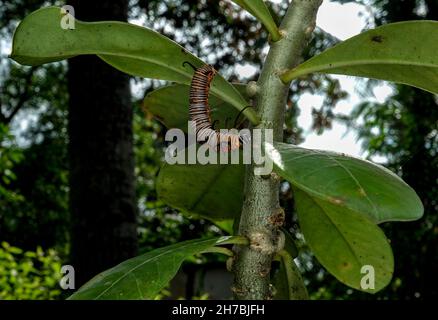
102	192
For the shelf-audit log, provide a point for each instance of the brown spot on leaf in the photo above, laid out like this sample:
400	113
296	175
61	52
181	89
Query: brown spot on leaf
377	38
346	265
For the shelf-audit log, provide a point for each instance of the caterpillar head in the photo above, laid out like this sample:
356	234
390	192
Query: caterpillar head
209	71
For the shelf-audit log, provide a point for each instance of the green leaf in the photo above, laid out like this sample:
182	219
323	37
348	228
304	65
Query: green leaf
170	105
259	10
287	280
225	225
344	241
289	243
135	50
211	191
348	182
144	276
403	52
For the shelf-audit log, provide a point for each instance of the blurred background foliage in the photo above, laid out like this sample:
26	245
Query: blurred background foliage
34	188
29	275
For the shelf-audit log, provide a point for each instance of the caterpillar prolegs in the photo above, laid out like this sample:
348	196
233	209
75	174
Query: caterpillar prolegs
199	112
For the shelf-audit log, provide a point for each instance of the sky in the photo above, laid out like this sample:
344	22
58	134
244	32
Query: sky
342	21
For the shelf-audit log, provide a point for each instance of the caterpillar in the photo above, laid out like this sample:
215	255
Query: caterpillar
199	112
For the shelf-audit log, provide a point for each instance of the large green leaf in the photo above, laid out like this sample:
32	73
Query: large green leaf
170	105
144	276
211	191
259	9
344	241
404	52
135	50
348	182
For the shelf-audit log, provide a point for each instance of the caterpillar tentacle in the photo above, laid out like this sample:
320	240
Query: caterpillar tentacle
238	116
190	64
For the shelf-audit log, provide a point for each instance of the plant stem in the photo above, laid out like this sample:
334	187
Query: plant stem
295	284
221	250
261	204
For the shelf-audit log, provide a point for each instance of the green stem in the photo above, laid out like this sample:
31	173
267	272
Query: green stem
251	115
253	262
221	250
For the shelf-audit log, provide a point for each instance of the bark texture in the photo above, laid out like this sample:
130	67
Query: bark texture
102	190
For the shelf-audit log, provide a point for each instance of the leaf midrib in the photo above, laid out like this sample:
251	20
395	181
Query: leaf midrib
327	66
144	262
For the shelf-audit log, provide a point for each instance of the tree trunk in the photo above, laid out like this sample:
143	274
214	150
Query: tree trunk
102	191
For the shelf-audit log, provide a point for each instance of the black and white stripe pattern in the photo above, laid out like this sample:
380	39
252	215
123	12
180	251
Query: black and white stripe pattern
200	112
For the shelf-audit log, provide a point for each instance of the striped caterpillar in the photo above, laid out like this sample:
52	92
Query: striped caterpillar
199	112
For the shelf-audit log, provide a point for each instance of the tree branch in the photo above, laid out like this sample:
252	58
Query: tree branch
261	203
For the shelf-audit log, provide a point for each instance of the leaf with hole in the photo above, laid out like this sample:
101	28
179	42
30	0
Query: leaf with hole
403	52
357	185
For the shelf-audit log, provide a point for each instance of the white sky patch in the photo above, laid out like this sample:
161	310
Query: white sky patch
382	92
5	47
337	139
246	70
341	20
